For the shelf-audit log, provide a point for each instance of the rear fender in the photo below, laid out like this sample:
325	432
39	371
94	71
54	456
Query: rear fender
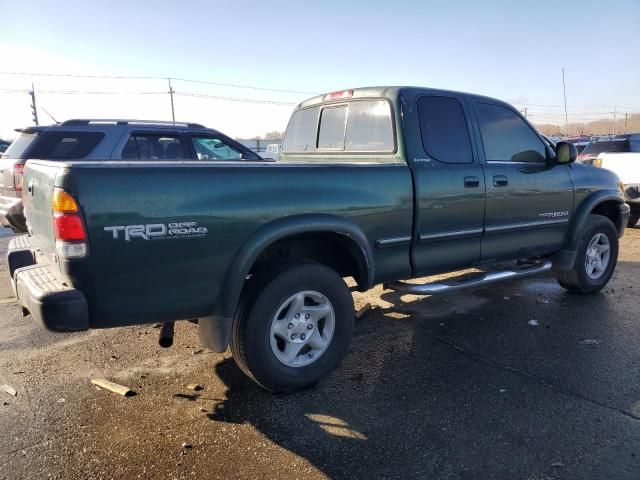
277	230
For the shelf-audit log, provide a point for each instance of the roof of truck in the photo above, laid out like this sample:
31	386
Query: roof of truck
389	91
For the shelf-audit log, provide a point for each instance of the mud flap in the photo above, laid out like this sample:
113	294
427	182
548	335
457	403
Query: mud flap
215	332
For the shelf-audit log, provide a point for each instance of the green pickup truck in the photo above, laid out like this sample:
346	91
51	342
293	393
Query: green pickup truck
379	184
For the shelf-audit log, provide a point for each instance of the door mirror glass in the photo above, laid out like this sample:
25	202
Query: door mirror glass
565	153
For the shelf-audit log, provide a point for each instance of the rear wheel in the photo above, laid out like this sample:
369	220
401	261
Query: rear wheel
633	218
596	258
293	326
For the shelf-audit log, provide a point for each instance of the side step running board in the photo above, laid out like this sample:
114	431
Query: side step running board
453	284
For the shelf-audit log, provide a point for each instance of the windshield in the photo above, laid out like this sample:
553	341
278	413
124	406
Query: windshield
596	148
19	145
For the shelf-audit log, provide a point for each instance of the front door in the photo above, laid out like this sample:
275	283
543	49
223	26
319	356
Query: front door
449	184
528	202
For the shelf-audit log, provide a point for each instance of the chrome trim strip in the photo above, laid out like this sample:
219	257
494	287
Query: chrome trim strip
209	163
457	233
392	242
507	162
524	226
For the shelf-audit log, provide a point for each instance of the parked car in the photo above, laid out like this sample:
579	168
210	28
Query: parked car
627	166
4	144
617	144
580	142
272	151
378	184
101	139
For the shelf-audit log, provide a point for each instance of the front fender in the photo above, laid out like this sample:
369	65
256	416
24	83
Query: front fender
588	204
564	259
277	230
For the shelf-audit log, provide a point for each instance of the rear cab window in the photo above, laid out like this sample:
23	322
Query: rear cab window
356	126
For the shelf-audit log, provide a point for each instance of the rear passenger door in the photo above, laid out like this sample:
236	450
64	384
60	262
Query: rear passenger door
529	203
449	184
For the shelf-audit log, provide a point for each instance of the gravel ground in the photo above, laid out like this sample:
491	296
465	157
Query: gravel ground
463	386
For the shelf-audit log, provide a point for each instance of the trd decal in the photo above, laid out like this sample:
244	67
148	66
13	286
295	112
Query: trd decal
157	231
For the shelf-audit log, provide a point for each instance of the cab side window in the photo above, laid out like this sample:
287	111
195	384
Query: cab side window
506	137
443	126
155	147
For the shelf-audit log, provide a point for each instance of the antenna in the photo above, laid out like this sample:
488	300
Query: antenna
52	118
171	92
566	117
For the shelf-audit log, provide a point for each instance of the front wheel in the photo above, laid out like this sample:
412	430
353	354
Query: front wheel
293	326
596	258
633	218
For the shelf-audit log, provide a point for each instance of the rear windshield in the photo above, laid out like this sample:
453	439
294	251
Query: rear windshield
63	145
595	148
19	145
357	126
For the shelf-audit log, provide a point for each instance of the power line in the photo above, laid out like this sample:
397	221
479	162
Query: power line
184	94
84	92
232	99
153	77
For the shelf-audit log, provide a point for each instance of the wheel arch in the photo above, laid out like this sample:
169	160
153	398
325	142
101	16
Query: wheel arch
602	202
298	227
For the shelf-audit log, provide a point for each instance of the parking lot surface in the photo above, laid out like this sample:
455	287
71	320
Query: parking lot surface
516	380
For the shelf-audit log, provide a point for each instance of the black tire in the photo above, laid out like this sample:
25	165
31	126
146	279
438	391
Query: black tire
251	335
633	218
577	280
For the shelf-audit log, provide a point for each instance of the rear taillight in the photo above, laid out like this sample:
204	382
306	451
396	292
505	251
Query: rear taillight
18	175
597	163
68	226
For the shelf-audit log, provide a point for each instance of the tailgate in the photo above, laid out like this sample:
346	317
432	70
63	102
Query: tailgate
39	180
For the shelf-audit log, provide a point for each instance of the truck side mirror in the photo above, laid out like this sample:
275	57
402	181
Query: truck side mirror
565	153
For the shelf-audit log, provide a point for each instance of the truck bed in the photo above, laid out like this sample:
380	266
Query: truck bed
195	217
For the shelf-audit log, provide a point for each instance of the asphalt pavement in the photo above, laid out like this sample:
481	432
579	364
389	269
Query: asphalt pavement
520	380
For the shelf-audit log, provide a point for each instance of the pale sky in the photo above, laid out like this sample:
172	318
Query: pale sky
510	50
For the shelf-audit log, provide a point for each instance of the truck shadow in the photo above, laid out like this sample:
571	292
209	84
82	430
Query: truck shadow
457	393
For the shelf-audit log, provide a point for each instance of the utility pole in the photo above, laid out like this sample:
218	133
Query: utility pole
34	109
566	117
171	92
614	119
626	116
524	112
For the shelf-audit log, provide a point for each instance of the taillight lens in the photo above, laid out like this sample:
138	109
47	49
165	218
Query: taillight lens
597	162
69	227
18	175
63	202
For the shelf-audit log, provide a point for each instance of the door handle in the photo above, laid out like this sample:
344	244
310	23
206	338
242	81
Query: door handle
500	181
471	182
